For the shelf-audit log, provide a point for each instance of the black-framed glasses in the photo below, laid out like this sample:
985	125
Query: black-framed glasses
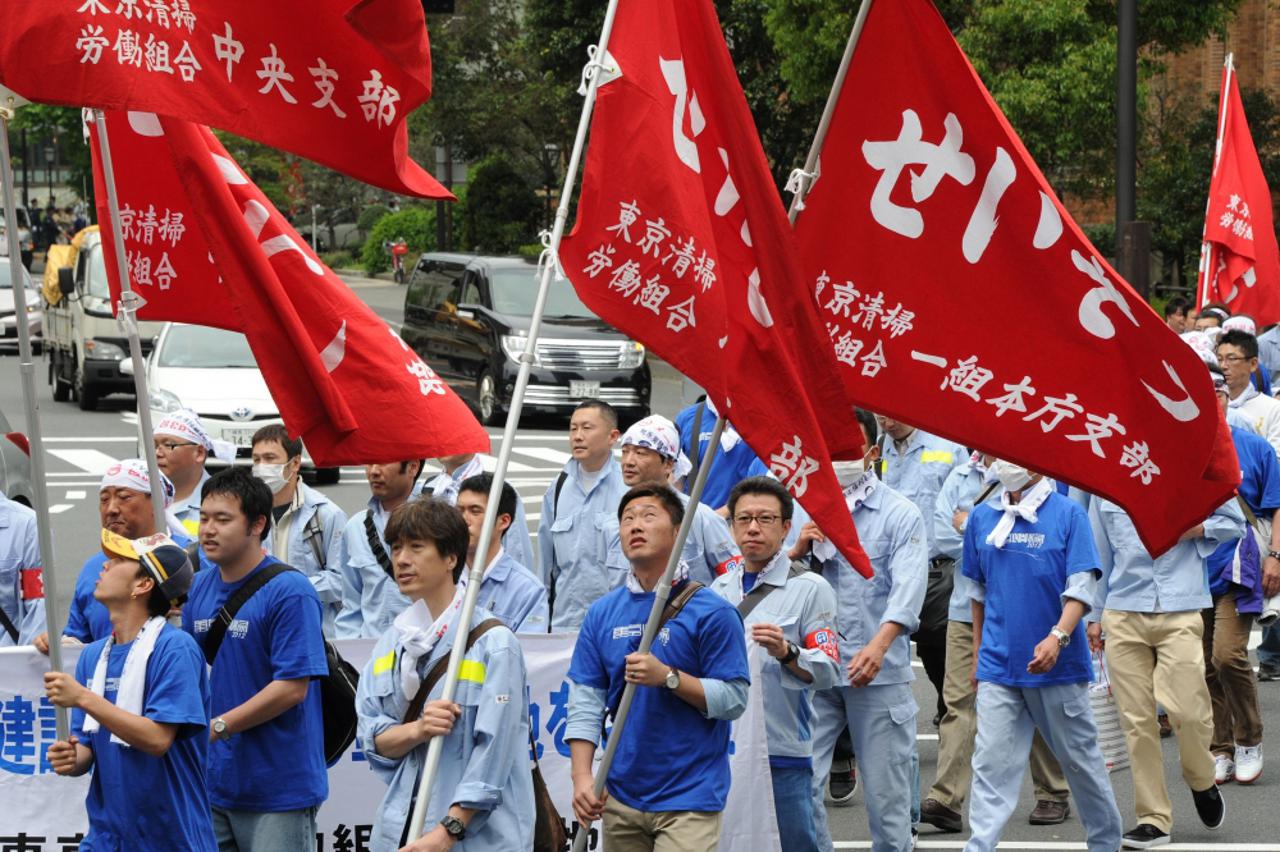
764	520
170	446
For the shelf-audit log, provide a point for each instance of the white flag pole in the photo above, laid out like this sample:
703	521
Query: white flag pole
548	264
26	367
1207	259
801	180
130	303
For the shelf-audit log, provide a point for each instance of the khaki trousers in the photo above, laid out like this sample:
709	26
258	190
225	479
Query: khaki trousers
1158	658
629	830
959	728
1237	719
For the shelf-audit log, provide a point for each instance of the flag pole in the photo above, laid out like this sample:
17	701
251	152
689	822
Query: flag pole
801	180
1206	248
661	593
26	366
130	302
548	263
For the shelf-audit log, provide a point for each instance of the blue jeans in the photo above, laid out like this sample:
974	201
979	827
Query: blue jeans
793	803
1269	649
255	831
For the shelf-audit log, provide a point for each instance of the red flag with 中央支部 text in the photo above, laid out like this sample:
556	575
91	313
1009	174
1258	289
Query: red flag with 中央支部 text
682	243
1239	235
932	241
343	381
330	80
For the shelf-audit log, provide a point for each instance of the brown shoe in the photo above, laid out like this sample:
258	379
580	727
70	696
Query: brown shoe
940	816
1166	729
1049	813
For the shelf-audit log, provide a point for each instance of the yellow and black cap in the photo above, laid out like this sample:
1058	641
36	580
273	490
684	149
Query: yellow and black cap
164	559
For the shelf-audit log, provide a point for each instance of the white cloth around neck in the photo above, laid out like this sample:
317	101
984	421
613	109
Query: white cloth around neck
133	679
419	633
1032	499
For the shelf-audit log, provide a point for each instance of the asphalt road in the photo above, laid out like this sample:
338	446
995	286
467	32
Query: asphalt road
80	444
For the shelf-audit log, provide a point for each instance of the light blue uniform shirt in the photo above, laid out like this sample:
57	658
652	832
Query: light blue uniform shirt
964	485
805	608
22	601
708	551
573	542
891	530
1176	581
1269	352
187	510
516	540
370	598
486	755
298	551
918	471
512	593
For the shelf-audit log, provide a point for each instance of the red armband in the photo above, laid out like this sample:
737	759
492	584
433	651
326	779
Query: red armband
826	640
32	584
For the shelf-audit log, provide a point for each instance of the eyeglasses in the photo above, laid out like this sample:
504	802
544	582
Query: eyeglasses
170	446
762	520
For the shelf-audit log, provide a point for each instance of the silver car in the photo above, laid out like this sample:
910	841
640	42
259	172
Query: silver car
15	464
9	308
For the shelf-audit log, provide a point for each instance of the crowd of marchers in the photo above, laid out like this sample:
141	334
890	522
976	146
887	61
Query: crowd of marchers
196	702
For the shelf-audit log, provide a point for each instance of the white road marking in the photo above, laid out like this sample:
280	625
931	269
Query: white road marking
92	440
489	463
545	453
95	462
59	508
76	495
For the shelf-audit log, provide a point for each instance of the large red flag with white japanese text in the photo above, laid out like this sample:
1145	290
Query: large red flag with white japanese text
343	381
682	242
932	240
1240	263
330	80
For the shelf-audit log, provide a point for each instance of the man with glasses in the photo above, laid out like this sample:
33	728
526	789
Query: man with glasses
1238	357
182	448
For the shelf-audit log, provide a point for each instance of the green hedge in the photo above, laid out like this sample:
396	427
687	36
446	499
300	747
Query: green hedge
416	225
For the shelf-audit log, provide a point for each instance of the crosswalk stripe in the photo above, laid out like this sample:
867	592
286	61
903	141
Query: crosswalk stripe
89	461
558	457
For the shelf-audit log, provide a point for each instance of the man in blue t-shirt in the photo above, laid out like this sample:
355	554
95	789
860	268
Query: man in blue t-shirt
266	772
140	708
733	462
1035	569
670	775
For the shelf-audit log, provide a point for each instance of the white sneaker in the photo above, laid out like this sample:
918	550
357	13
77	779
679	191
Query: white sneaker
1224	768
1248	764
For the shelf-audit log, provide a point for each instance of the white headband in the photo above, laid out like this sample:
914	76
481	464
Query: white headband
186	424
659	434
132	474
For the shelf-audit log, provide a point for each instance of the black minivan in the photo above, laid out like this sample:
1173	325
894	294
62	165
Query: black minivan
468	317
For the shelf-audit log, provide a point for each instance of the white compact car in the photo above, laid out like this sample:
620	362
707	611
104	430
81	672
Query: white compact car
213	372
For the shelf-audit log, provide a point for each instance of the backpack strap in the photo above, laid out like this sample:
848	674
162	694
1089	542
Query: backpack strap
375	544
695	440
7	624
677	603
218	630
986	492
555	497
442	665
760	591
313	534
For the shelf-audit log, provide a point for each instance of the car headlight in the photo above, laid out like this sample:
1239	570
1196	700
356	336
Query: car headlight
101	350
632	355
513	345
165	401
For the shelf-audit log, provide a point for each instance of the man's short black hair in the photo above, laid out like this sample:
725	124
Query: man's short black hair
277	432
762	485
868	421
481	483
1235	337
253	494
607	411
404	465
1217	311
433	520
663	492
1176	305
157	603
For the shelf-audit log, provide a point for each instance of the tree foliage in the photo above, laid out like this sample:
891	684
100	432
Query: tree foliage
415	225
501	213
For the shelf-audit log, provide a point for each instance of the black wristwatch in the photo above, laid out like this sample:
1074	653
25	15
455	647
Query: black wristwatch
793	653
454	827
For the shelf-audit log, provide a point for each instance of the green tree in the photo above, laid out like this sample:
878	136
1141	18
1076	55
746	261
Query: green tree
43	123
501	212
415	225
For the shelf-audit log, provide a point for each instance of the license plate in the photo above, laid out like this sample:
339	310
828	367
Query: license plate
584	390
239	437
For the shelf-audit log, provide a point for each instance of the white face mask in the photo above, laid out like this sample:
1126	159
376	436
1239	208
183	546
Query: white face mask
1012	476
848	472
272	475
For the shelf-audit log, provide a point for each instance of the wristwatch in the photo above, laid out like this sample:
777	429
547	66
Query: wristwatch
454	827
1274	554
219	727
673	679
793	652
1063	637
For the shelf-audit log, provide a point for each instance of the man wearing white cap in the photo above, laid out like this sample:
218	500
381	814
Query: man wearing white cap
124	507
139	700
651	453
182	447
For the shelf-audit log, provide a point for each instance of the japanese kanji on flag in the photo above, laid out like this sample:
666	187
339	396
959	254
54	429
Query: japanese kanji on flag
330	80
682	242
334	368
931	240
1240	266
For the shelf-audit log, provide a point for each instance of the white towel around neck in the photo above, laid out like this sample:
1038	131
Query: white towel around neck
419	634
1032	499
133	680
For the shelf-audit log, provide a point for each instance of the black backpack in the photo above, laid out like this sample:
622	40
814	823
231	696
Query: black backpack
337	688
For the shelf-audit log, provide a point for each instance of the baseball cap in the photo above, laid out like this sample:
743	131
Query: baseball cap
165	561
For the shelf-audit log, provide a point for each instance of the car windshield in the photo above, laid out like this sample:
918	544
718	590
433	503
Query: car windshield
6	283
97	272
200	346
515	289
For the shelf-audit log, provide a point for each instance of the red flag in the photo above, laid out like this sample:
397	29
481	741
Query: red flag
330	80
932	240
343	381
681	242
1240	240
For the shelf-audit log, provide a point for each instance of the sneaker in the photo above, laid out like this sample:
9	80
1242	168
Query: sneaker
1224	768
1145	836
1049	812
1268	672
915	836
940	816
843	783
1248	764
1211	807
1166	729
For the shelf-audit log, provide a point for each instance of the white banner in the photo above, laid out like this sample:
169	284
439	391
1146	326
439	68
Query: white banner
46	812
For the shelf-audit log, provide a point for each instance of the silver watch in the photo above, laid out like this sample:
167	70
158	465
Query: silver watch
1063	637
673	679
219	726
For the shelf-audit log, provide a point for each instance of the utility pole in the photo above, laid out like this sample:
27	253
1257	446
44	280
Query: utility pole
1133	238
